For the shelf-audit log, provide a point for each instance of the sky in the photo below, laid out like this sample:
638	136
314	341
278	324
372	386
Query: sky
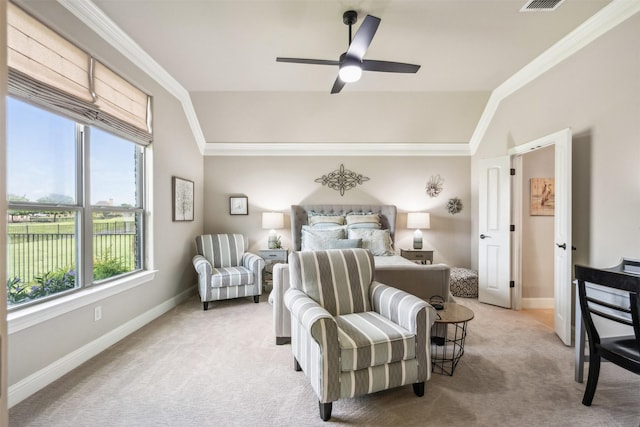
41	157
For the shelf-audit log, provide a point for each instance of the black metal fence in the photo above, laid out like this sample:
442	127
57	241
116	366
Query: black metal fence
34	254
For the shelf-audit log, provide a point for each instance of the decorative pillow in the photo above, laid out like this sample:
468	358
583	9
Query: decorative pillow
315	238
353	218
343	243
326	220
377	241
374	225
363	220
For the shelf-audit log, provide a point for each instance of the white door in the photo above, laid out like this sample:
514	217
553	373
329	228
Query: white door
562	267
494	257
562	231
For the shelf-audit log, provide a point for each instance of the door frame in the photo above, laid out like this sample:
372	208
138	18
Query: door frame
517	211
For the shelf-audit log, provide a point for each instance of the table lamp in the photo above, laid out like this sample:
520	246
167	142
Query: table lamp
272	221
418	220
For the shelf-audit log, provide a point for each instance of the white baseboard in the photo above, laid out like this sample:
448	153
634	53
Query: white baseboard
45	376
538	303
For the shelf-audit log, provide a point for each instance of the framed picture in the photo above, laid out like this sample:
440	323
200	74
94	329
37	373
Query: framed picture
238	205
182	199
542	198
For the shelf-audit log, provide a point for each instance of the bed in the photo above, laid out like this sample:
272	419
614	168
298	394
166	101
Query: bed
424	281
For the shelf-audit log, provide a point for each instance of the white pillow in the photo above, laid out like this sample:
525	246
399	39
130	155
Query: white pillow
314	239
377	241
363	221
358	218
318	221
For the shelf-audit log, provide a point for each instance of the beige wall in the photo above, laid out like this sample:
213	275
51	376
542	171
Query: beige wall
596	93
275	183
174	152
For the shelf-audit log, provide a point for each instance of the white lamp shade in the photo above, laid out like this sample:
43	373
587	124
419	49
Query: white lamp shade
272	220
418	220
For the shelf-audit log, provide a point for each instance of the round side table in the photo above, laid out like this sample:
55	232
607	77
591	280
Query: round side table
448	335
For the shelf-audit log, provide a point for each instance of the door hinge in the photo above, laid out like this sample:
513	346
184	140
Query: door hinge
512	227
512	172
512	284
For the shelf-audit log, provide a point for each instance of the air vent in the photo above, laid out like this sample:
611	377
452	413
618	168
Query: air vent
541	5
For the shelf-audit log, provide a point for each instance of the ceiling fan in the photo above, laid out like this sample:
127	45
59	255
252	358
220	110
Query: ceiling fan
351	63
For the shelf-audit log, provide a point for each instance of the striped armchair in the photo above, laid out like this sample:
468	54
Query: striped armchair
225	269
351	335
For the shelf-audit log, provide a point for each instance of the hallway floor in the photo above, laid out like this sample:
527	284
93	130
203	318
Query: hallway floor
542	315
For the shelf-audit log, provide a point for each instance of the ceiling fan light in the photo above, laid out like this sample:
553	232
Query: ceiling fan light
350	73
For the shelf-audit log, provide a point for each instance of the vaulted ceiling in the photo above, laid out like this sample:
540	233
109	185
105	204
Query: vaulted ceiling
462	45
222	54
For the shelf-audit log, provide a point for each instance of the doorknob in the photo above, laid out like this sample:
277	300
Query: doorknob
563	246
482	236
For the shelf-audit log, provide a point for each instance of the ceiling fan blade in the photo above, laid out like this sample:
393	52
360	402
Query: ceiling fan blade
308	61
389	67
363	37
337	85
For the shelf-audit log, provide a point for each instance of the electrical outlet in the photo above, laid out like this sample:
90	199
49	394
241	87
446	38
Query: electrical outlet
97	313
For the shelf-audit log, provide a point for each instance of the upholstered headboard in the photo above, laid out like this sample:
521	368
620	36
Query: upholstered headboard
300	217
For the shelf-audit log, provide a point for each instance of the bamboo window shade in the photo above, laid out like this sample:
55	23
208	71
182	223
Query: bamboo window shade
48	69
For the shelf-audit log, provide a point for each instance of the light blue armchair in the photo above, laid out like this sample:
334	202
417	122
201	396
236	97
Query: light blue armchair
225	269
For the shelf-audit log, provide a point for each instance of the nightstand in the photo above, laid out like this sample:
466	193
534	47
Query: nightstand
271	257
420	256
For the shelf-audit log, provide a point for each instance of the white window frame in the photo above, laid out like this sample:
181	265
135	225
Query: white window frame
84	226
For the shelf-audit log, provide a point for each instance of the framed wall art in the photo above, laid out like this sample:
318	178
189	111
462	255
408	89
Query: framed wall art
542	197
182	199
238	205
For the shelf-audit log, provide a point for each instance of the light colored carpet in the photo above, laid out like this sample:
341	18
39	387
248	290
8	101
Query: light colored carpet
222	368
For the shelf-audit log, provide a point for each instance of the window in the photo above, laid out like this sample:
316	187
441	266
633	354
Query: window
75	154
75	204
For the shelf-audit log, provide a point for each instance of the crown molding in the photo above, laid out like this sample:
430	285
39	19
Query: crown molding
87	12
607	18
336	149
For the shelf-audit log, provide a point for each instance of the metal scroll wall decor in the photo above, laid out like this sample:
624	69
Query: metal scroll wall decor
342	179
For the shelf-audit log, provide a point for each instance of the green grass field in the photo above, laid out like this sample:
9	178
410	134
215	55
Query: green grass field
37	248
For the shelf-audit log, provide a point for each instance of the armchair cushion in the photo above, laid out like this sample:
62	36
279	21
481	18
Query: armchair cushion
231	276
369	339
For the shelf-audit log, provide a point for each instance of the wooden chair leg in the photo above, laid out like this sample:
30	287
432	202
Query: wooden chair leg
325	410
592	381
418	389
205	305
256	298
296	365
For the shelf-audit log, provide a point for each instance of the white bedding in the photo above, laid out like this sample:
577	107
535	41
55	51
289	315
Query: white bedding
392	260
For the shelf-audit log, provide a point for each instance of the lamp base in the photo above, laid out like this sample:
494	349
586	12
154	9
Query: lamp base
273	239
417	240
